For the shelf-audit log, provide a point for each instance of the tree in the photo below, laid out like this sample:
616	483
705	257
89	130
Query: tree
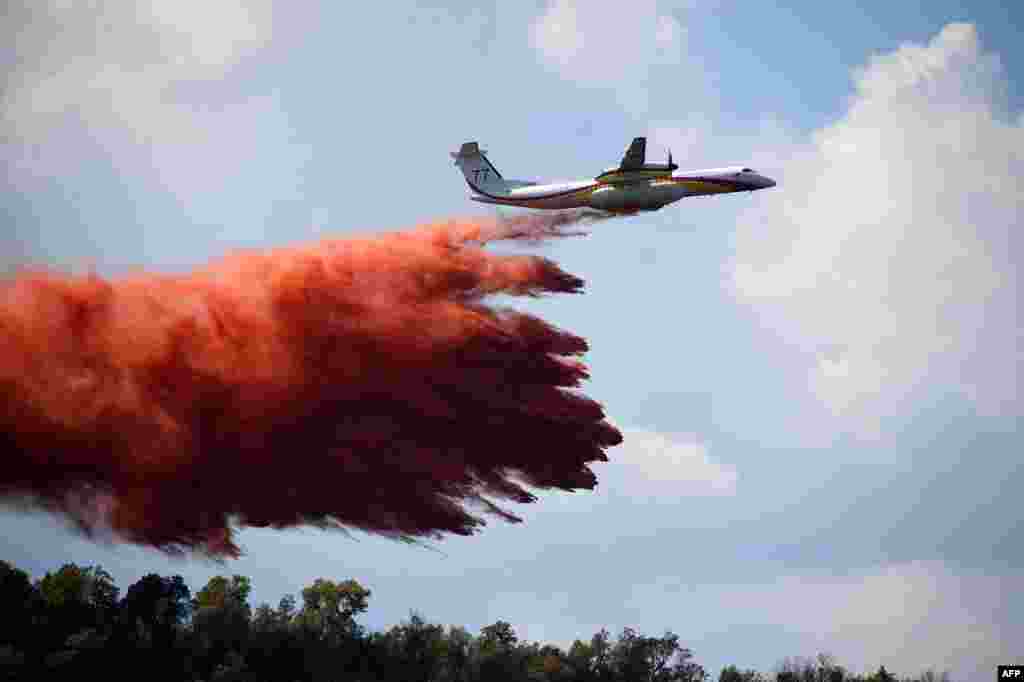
220	621
75	599
499	635
329	608
264	619
546	663
274	641
21	602
731	673
629	656
76	614
495	656
416	649
88	596
331	641
600	654
591	660
822	668
268	619
580	659
286	609
653	659
933	676
457	653
220	592
883	675
150	618
157	605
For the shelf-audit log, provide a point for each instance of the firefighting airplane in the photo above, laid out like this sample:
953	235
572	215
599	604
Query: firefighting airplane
634	185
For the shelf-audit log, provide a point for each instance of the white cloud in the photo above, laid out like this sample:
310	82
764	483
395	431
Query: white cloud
118	69
656	465
557	34
112	63
908	617
613	44
887	252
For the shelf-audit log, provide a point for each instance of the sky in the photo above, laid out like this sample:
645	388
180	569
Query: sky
819	384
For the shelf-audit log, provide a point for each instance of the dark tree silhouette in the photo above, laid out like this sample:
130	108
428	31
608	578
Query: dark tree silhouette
70	625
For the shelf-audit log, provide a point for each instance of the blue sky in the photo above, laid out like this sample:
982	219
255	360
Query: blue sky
820	384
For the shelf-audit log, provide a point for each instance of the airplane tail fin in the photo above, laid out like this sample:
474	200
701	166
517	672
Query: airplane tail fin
481	175
636	154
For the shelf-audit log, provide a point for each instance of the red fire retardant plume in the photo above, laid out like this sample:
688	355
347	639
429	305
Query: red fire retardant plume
354	383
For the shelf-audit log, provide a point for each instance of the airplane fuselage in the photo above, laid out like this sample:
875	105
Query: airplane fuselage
634	185
625	191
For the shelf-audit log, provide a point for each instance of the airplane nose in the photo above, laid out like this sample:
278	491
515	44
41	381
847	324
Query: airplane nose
757	181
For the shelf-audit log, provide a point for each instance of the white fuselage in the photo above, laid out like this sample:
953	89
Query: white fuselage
624	191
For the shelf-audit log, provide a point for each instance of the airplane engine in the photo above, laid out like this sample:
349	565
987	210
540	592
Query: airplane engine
638	198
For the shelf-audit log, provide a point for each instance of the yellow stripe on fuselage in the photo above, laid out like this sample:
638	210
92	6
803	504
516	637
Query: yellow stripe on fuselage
658	177
704	187
695	187
628	176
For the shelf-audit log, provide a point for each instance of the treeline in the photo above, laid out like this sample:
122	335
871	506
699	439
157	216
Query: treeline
75	624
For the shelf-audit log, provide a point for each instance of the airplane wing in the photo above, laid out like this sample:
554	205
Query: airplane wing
636	155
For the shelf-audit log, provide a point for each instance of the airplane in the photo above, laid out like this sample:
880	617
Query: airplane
633	186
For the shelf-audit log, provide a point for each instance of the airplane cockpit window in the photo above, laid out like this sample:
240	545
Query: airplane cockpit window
748	170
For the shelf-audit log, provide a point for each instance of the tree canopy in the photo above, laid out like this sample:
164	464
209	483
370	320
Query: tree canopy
71	623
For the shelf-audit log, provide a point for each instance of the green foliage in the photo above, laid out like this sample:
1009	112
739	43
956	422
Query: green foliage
220	593
733	674
70	624
86	591
220	623
73	600
329	608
